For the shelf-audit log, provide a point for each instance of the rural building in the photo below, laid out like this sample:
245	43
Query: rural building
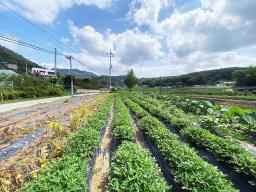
42	72
9	65
225	83
12	66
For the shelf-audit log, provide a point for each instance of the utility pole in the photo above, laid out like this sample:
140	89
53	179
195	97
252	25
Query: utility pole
55	62
110	55
26	69
160	84
71	75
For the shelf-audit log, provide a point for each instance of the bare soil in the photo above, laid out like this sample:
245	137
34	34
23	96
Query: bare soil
240	103
102	163
14	125
248	147
138	135
22	153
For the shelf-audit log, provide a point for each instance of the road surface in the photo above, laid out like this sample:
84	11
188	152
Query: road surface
12	106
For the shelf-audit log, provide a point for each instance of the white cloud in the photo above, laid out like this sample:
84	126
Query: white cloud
146	12
217	26
134	47
196	61
65	40
89	39
131	47
46	11
215	35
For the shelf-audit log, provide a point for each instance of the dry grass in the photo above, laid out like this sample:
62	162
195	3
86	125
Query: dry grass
25	164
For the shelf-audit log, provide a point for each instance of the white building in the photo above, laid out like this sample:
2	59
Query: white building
42	72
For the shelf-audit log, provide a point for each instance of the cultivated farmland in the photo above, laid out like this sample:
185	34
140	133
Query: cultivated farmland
134	141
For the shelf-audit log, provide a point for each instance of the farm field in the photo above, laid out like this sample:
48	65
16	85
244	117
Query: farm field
128	96
135	141
224	96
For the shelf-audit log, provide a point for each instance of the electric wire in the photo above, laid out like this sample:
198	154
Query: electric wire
15	41
25	44
11	40
83	11
35	25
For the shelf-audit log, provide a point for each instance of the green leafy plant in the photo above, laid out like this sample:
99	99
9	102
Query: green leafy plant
189	170
133	169
122	124
63	174
68	172
226	150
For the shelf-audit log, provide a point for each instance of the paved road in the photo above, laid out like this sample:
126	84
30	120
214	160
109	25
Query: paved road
12	106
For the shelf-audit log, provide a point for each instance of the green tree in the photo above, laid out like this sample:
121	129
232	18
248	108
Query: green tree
130	79
245	77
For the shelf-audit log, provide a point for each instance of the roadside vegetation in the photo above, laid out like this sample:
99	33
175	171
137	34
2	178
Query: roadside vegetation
23	86
43	156
67	173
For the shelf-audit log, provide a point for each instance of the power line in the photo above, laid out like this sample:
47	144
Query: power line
85	13
35	25
11	40
19	35
18	42
84	64
15	41
35	3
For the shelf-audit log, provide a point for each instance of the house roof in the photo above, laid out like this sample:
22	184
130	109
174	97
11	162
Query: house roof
8	72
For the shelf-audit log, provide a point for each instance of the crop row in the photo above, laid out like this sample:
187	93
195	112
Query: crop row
122	129
177	121
225	149
67	173
188	169
132	168
234	121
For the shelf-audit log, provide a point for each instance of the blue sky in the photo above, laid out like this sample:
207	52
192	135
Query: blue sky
154	37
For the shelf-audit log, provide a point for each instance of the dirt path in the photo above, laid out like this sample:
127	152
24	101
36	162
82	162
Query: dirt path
138	135
102	162
248	147
22	156
16	124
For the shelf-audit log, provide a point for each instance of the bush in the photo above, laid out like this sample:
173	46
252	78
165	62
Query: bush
31	92
56	91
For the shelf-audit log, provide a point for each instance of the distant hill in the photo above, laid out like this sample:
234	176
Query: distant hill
104	79
9	56
77	73
209	77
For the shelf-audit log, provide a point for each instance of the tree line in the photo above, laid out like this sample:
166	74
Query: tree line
242	77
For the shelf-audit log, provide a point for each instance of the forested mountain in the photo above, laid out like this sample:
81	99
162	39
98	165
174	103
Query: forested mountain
245	77
9	56
210	77
77	73
104	79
